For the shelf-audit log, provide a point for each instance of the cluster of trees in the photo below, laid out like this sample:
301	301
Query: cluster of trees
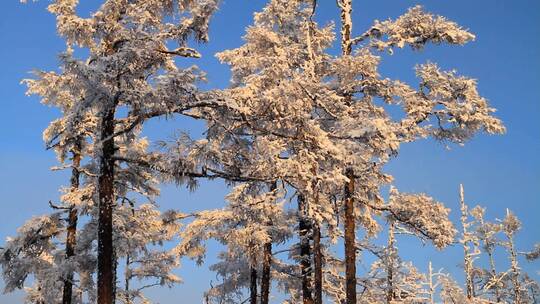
298	123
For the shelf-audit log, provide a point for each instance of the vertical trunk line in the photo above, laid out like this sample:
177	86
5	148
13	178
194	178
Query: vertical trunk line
267	263
431	285
350	238
514	265
493	271
390	293
253	285
467	264
105	271
265	279
318	264
350	242
127	279
305	254
71	237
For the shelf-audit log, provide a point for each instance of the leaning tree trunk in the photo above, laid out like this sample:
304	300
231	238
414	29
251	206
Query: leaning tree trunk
350	238
105	271
305	254
67	293
317	264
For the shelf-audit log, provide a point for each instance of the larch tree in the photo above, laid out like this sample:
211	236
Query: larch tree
128	67
487	233
297	123
470	243
273	118
241	228
451	100
304	110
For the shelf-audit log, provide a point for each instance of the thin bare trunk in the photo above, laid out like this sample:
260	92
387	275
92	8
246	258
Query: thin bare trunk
305	254
431	285
467	264
390	292
105	271
71	237
493	272
514	266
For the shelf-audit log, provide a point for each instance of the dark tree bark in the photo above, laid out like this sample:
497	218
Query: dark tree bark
105	271
266	278
127	280
317	264
305	252
253	285
267	264
71	236
115	275
350	238
350	242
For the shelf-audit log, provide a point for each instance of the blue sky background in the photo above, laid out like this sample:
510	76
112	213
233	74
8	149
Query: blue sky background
497	171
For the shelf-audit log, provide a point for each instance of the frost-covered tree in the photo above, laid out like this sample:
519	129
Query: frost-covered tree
294	112
129	66
451	100
470	244
486	233
297	122
481	238
522	289
254	218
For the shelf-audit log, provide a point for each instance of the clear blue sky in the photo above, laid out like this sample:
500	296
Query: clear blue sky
497	171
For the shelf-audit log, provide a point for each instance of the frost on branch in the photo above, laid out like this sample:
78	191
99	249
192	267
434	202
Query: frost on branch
32	253
452	101
423	215
416	28
533	254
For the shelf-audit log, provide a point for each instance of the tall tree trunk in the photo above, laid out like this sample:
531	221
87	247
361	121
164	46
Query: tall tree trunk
317	264
105	271
514	266
515	272
253	285
467	263
431	284
350	242
350	238
115	275
390	292
267	263
127	279
265	277
305	254
71	236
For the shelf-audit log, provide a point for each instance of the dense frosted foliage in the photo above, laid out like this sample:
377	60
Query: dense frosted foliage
297	124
